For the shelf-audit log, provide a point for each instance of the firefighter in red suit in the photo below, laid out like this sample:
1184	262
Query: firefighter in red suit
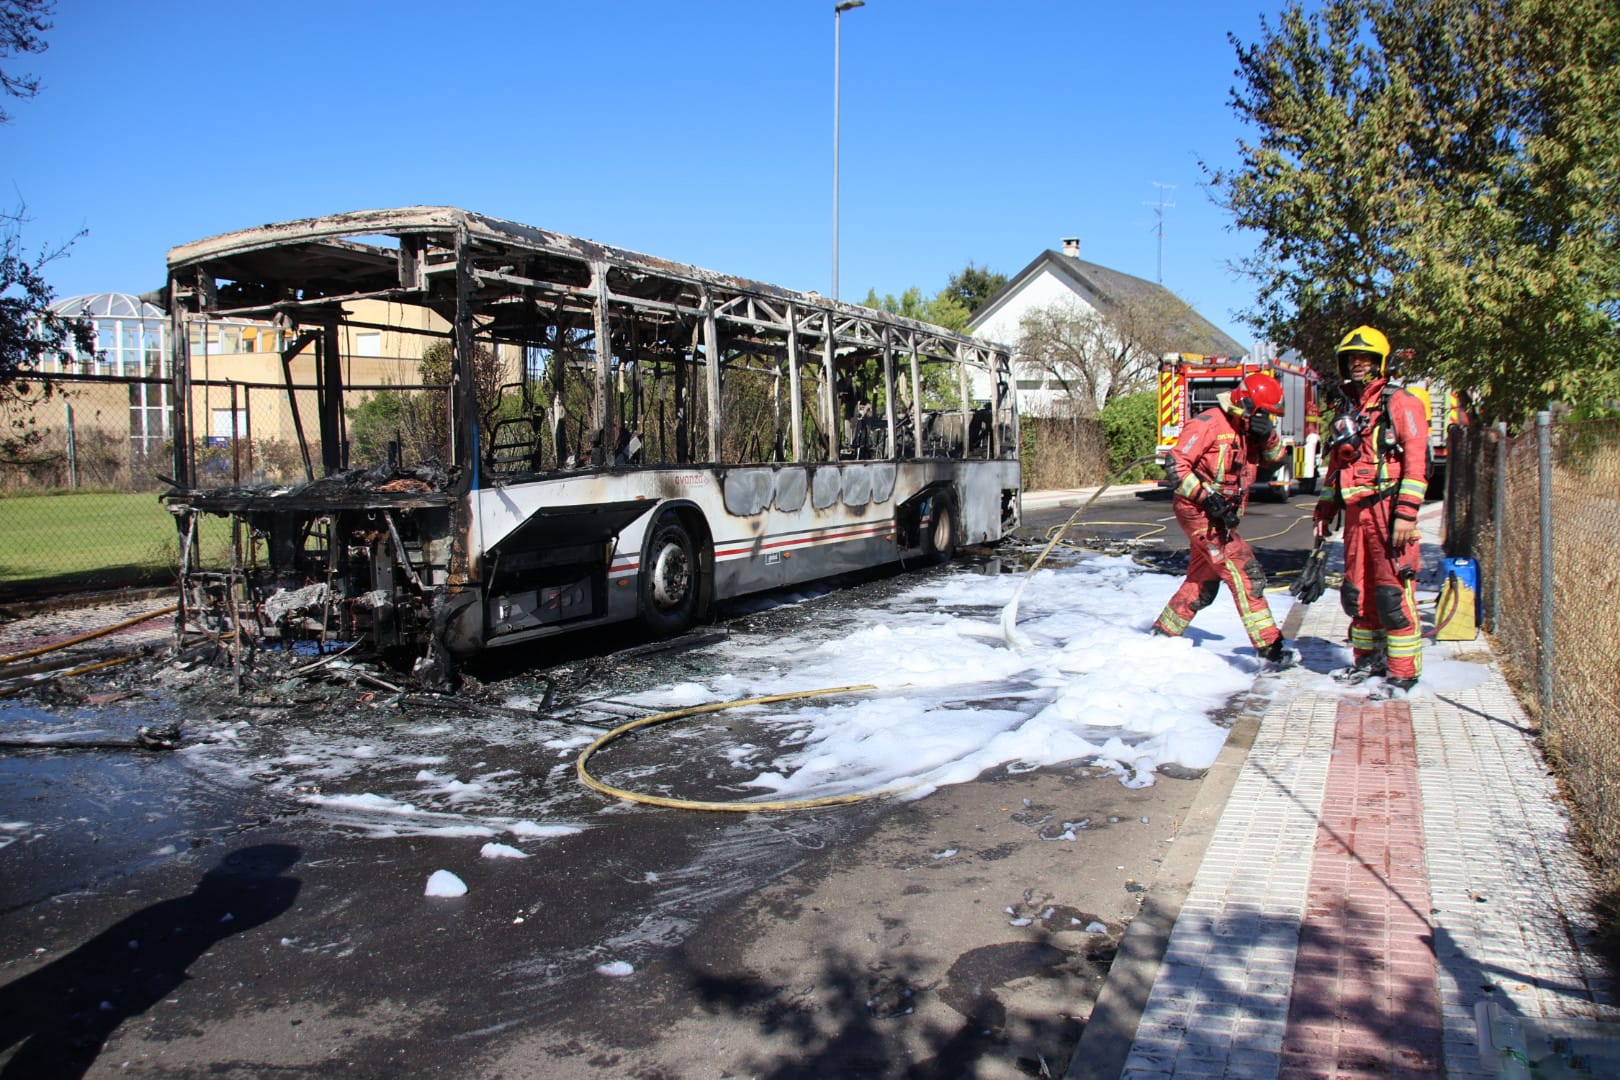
1377	472
1221	452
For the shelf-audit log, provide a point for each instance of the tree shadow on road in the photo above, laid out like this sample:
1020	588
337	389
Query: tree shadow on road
59	1016
854	1018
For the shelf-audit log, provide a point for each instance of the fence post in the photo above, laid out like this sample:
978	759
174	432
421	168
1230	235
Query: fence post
1500	510
1545	652
72	450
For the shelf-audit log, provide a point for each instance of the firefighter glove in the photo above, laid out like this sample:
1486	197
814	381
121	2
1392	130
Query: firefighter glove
1221	512
1313	578
1261	427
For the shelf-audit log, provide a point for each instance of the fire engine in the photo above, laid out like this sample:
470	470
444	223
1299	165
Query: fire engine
1443	406
1188	384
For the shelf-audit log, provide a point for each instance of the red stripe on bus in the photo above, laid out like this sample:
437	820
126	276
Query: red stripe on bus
749	548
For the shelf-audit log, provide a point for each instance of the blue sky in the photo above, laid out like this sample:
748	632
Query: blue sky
701	132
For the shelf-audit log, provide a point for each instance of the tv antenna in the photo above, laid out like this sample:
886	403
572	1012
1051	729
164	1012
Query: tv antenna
1158	212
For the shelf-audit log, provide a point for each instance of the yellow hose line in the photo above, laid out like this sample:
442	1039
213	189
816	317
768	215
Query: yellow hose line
1153	528
696	804
8	691
103	632
1280	532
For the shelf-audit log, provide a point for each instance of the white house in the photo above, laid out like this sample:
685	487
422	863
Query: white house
1064	278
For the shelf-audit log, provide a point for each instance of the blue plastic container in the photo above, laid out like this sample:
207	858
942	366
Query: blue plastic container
1467	571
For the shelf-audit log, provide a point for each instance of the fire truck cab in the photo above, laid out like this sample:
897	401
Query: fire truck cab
1189	384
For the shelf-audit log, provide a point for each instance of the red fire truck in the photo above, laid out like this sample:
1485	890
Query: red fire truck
1188	384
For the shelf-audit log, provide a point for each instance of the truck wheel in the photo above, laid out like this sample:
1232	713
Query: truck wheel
669	579
939	538
1282	484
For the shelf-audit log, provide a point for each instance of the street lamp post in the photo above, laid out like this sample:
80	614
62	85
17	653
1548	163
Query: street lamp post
838	19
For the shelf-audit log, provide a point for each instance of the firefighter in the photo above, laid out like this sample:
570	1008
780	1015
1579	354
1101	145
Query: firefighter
1221	452
1377	473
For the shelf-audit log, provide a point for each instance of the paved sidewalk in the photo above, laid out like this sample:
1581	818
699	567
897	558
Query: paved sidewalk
1383	878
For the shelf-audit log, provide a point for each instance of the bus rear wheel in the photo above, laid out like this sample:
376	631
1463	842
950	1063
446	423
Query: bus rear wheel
939	538
669	579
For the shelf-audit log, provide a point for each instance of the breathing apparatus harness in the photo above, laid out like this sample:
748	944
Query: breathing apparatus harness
1350	426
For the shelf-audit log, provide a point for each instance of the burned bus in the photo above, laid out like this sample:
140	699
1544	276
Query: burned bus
569	435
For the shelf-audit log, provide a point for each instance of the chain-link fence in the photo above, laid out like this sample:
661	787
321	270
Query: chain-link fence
79	469
1538	510
86	458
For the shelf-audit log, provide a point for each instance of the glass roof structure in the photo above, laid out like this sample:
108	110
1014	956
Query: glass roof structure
108	305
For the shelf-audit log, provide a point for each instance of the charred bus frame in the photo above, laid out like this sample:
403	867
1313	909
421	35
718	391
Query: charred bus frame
643	463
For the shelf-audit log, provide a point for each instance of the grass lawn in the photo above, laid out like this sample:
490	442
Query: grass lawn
90	538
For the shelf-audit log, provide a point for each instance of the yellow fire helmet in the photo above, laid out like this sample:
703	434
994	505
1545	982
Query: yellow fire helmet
1364	339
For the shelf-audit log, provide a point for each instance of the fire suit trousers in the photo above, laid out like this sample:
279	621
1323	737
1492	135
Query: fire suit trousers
1378	592
1213	556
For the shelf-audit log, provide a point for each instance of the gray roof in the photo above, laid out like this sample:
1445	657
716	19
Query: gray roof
1107	290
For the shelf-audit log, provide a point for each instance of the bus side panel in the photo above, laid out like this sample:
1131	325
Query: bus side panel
979	496
833	518
767	527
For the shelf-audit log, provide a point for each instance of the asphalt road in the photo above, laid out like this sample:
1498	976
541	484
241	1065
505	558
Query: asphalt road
198	914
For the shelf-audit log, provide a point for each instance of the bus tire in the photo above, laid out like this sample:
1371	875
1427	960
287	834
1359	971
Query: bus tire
939	539
669	579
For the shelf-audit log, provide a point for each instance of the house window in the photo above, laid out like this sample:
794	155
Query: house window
368	344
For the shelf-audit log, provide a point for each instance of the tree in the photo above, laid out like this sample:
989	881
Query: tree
1095	357
29	330
964	291
22	28
1130	426
972	286
943	310
418	421
1447	171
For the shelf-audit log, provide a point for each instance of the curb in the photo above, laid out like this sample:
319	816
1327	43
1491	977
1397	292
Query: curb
1106	1040
1069	497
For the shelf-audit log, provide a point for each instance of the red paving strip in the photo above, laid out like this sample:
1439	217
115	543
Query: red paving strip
1365	1000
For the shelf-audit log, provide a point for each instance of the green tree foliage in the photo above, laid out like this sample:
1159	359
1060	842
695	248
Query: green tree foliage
1130	426
1447	171
29	332
419	420
951	307
944	309
973	285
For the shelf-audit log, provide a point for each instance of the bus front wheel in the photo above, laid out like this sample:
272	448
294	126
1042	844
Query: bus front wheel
669	579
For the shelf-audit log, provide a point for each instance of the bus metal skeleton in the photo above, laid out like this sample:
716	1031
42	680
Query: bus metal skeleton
655	437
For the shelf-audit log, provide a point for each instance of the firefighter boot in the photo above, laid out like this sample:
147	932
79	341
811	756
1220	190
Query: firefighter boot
1277	657
1392	688
1369	666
